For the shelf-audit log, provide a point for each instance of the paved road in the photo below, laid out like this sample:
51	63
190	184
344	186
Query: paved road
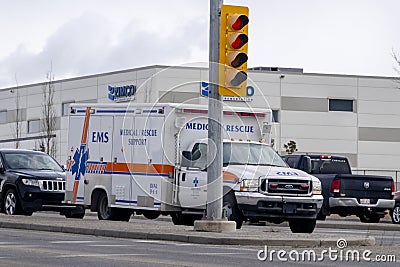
30	248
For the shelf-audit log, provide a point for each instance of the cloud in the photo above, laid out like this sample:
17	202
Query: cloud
89	44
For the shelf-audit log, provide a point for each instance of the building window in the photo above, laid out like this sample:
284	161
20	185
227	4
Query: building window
34	126
3	116
275	115
341	105
65	108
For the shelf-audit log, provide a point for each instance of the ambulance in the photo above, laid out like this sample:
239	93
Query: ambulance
152	159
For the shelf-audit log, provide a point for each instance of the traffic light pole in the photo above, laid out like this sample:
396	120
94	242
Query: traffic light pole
214	171
214	222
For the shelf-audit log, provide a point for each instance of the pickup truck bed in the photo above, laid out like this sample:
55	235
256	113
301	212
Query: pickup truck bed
367	196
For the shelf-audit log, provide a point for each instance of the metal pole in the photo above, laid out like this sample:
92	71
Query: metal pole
214	170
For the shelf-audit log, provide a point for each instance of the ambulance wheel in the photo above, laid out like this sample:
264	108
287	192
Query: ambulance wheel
104	212
231	210
184	219
121	214
151	214
76	213
302	225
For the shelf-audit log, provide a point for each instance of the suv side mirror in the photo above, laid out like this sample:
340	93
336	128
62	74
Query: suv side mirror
307	166
2	170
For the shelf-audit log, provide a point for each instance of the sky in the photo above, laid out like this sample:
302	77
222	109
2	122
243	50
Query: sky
73	38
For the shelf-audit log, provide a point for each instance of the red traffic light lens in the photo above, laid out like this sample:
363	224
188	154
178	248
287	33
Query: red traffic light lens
240	41
240	22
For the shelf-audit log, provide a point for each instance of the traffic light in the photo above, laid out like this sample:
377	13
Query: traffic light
233	50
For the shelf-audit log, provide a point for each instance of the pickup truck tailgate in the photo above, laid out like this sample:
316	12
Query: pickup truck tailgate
365	186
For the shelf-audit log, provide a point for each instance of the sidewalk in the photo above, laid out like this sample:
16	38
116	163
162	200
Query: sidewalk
163	229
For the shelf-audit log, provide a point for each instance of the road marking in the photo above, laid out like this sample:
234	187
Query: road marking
109	245
221	253
101	255
73	242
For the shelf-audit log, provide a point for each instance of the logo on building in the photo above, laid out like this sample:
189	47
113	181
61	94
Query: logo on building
204	87
121	93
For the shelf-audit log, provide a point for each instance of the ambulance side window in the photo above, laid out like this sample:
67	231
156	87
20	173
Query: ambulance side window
199	154
197	158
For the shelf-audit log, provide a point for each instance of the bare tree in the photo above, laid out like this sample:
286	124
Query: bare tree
18	115
48	116
396	57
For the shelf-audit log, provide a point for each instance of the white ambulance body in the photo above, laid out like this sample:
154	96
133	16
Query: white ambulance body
152	159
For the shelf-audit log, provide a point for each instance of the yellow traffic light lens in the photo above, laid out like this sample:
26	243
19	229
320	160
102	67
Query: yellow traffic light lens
237	59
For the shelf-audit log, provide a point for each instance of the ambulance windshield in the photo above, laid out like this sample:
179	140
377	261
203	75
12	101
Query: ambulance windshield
251	154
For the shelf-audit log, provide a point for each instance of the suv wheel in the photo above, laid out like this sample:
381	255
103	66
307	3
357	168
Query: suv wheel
11	202
395	214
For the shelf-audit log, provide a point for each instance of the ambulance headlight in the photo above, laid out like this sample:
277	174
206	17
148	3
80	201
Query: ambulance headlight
316	187
249	185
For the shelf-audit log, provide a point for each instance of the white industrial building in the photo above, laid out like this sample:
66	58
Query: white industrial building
355	116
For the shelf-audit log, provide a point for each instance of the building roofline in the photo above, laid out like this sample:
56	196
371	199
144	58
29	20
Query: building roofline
283	71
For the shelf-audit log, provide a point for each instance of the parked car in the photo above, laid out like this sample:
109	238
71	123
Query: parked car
369	197
30	181
395	212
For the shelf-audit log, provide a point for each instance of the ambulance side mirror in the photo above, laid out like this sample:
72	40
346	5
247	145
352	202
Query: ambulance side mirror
187	159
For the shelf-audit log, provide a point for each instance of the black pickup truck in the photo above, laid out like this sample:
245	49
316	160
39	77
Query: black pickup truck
366	196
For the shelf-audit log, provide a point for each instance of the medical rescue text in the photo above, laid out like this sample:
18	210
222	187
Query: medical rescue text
139	135
228	128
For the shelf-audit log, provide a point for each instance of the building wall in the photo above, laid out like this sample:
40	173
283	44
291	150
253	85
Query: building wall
369	134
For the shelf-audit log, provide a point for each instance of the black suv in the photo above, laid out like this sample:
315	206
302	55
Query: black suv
29	181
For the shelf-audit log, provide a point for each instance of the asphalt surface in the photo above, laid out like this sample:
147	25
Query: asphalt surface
163	229
37	248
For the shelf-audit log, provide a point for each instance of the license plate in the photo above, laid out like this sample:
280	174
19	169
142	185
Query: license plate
365	201
289	208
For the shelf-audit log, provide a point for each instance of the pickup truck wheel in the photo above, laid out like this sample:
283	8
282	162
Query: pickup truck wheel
395	214
369	218
230	208
11	205
302	225
103	211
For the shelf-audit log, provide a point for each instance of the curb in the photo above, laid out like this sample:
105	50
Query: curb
187	238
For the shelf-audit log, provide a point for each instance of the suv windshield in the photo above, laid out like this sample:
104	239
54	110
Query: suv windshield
251	154
35	161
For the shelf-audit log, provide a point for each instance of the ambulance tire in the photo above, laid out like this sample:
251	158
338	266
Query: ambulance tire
104	212
302	225
151	214
184	219
122	215
230	208
77	213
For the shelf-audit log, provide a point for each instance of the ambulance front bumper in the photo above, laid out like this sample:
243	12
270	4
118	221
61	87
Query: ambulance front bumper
254	204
